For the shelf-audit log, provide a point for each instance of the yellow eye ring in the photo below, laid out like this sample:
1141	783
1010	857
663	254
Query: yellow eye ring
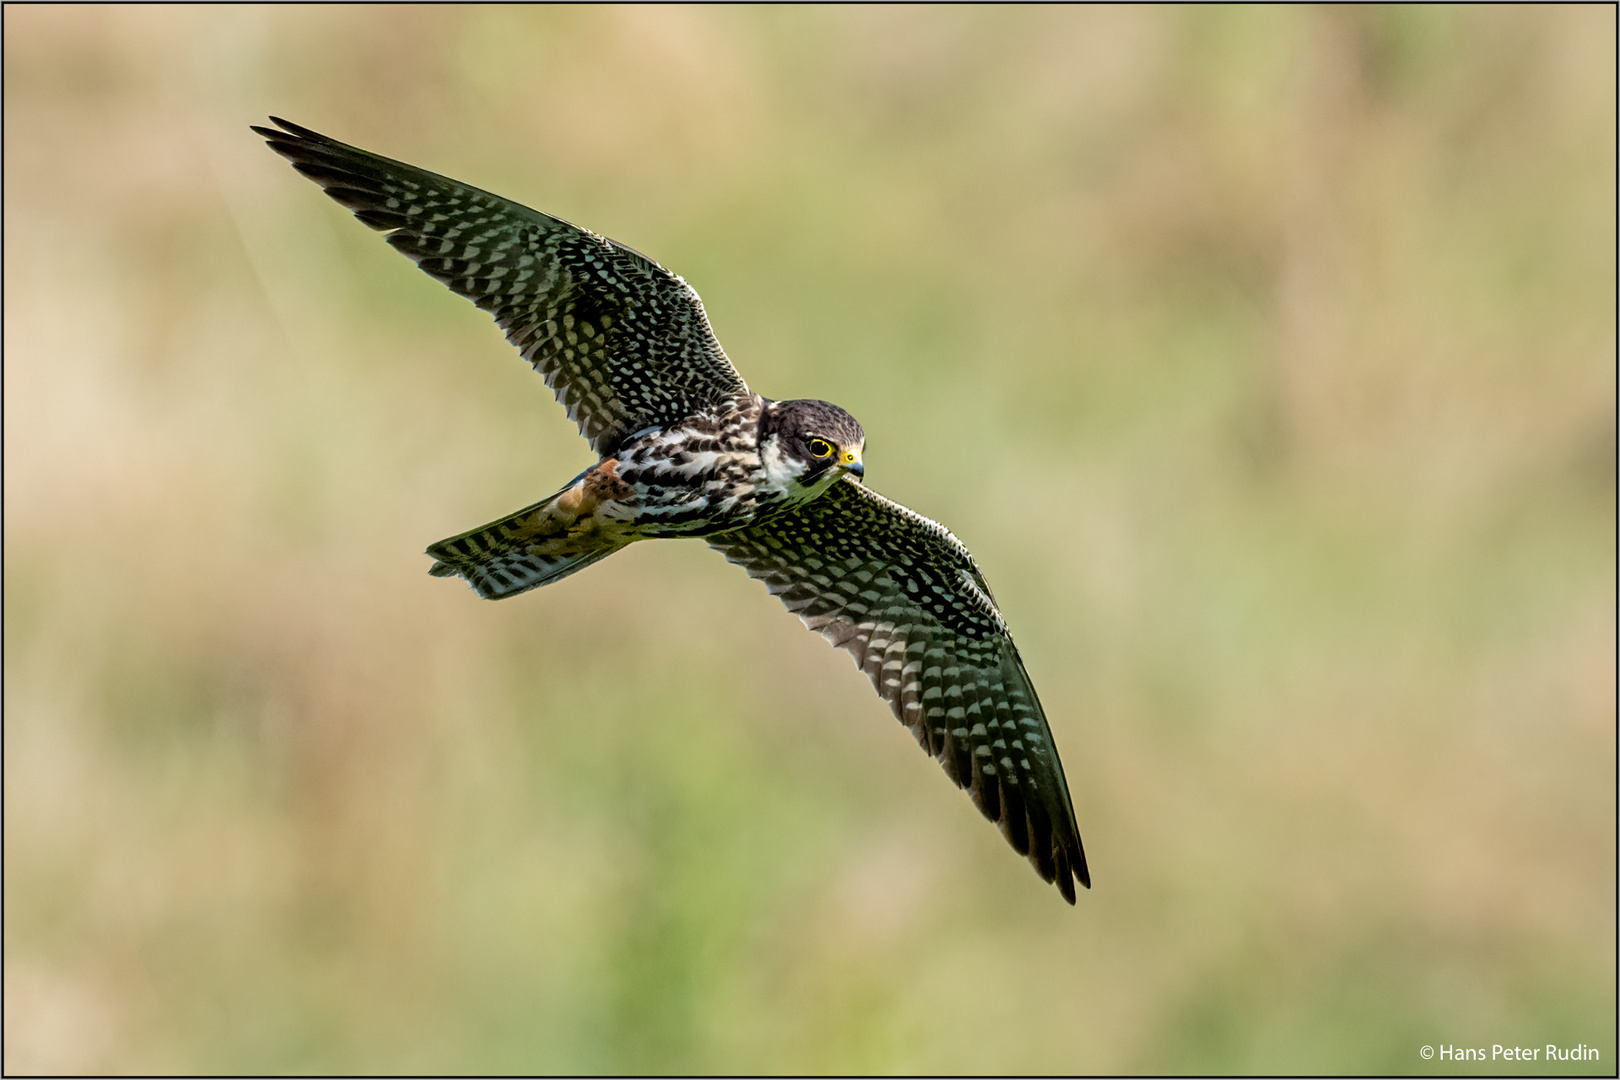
820	448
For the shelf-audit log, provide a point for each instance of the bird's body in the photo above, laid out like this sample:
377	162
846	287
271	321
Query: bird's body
711	473
686	449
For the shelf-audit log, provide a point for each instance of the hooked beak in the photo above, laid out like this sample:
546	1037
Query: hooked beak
856	469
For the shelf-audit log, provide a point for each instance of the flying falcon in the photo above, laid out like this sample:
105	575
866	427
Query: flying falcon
687	449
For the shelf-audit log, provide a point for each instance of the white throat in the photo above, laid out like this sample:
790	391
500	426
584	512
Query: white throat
784	476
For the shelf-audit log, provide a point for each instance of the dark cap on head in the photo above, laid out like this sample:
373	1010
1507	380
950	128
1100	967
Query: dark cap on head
796	421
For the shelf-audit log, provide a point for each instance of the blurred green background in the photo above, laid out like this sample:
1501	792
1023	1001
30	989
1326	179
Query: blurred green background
1265	358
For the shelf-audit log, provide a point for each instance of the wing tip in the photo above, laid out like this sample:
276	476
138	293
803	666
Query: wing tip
1072	852
1071	867
288	128
1075	871
1065	886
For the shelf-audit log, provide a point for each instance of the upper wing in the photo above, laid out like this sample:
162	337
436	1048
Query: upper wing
623	342
905	598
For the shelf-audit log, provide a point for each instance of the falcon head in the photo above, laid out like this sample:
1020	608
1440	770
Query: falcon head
806	445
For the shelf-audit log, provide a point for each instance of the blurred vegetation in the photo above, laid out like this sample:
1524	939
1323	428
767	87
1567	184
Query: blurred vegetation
1265	357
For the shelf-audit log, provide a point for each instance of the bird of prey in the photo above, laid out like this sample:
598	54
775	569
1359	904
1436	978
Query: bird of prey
685	448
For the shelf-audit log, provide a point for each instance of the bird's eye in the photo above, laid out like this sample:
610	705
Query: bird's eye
820	448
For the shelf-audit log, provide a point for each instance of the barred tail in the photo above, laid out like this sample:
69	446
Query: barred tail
535	546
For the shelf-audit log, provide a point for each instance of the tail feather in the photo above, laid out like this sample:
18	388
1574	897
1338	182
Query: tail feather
535	546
